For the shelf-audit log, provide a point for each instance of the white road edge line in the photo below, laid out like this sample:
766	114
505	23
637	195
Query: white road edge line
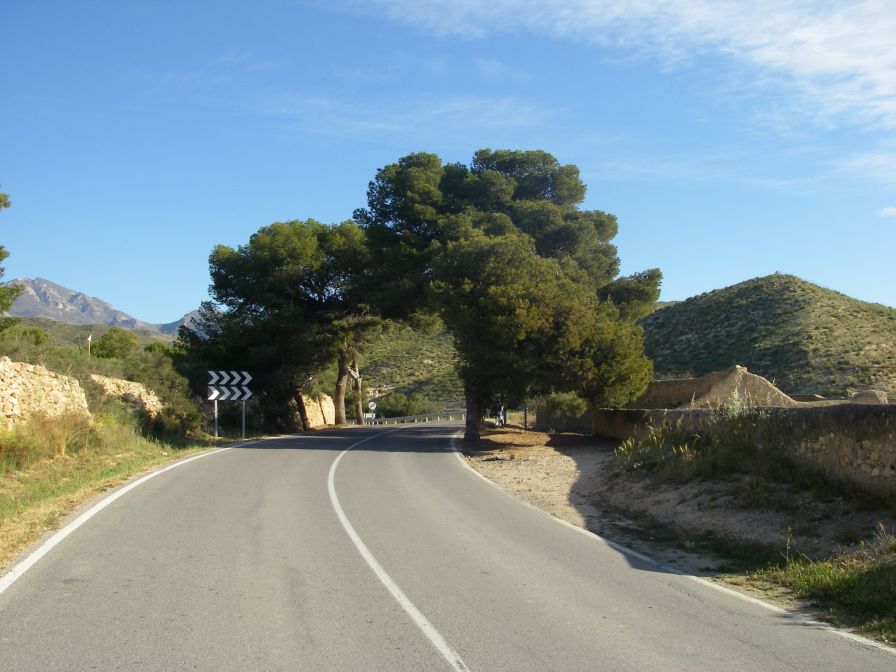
673	570
428	629
10	577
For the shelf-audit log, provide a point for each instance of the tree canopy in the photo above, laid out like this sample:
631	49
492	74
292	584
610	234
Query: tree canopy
525	280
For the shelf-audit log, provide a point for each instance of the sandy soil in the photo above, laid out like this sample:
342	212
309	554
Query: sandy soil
570	477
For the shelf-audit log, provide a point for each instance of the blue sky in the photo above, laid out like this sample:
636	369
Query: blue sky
731	139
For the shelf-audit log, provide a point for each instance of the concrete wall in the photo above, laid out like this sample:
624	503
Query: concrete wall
28	389
850	442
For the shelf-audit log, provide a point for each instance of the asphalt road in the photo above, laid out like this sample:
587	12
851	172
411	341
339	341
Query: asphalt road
293	555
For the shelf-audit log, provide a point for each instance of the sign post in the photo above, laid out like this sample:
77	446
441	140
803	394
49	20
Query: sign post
229	386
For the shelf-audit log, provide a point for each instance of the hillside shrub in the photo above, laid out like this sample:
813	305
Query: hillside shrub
415	361
809	339
116	344
32	335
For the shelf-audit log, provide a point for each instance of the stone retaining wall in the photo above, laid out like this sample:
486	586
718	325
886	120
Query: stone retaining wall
27	390
850	442
135	395
319	412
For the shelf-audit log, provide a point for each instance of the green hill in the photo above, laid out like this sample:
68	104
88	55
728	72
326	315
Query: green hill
412	361
804	338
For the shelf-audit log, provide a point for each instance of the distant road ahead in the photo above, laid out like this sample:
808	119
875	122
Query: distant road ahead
292	555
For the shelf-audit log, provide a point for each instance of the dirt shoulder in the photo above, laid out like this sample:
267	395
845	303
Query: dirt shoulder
712	529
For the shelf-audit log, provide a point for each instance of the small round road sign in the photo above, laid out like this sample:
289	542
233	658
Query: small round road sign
372	405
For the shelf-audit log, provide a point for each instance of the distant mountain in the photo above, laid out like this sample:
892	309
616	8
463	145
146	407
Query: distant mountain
805	338
42	298
172	327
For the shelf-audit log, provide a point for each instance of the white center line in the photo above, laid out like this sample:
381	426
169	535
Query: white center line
428	629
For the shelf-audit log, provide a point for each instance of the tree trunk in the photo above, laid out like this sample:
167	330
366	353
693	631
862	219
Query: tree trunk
359	400
474	415
341	384
303	414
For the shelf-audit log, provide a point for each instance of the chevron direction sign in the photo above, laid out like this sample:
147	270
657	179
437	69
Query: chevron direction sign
228	386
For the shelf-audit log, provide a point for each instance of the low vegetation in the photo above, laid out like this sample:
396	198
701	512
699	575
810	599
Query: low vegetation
731	442
804	338
854	587
562	412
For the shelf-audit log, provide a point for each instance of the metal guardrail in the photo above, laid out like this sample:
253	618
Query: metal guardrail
428	417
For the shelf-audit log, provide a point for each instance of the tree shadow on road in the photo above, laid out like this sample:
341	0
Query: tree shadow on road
411	438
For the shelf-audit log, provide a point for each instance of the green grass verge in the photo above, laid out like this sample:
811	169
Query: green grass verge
856	589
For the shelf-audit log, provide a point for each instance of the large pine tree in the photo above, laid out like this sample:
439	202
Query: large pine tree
525	280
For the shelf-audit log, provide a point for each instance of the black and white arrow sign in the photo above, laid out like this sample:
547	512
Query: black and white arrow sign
228	386
241	378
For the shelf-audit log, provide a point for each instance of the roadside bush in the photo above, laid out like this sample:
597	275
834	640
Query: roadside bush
562	412
397	404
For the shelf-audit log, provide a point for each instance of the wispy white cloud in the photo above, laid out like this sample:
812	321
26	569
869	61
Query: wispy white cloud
887	212
690	170
417	119
838	57
879	164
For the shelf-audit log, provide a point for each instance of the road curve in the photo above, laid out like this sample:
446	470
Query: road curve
292	554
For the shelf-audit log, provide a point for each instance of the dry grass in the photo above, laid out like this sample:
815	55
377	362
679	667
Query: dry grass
50	467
